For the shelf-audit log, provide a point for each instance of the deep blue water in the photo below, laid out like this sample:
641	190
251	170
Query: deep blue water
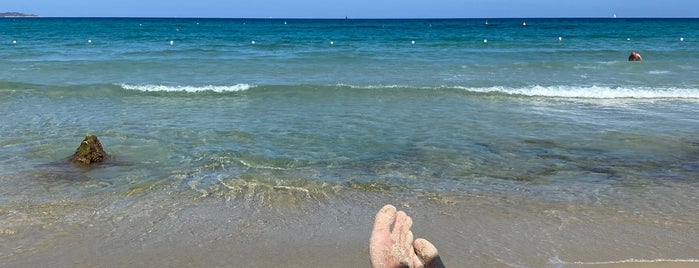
353	52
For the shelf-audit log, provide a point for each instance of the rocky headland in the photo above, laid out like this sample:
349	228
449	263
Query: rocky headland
16	15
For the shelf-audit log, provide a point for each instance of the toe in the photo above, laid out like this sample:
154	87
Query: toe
428	253
384	218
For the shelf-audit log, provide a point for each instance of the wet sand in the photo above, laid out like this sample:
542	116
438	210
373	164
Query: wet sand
639	264
469	229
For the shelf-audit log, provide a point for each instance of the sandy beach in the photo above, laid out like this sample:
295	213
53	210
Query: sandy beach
472	231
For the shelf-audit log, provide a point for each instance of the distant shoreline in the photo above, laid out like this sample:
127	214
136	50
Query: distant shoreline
17	15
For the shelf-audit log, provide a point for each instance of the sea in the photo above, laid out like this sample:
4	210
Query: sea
273	142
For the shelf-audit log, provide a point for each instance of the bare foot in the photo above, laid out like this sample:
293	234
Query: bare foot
391	248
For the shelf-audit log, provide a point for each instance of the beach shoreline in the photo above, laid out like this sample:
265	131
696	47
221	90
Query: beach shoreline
476	231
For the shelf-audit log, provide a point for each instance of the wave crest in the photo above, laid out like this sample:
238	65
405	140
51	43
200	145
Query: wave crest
191	89
560	91
592	92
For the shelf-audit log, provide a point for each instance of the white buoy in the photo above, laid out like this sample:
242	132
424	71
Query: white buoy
172	42
628	39
285	23
89	40
681	39
14	41
560	38
332	42
253	42
485	40
412	42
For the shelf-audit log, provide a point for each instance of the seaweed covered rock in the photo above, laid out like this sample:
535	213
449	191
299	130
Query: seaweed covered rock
90	151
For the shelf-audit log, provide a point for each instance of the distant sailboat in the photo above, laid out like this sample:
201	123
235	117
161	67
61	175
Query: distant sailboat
615	16
486	22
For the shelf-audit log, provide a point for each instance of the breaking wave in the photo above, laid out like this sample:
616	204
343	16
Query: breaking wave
592	92
557	91
191	89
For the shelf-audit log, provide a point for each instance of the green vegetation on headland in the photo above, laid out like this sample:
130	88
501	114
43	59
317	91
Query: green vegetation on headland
16	15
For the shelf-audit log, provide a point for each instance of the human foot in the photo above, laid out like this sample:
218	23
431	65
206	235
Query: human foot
390	248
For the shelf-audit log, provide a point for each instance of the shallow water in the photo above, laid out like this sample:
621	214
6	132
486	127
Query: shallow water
524	151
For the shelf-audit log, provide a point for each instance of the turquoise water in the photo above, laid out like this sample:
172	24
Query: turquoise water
192	109
363	52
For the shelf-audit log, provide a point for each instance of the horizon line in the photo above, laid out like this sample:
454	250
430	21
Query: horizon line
344	18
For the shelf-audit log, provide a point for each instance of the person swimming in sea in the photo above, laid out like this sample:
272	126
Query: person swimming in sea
635	56
395	247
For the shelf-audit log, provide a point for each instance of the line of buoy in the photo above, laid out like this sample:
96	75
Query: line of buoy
172	42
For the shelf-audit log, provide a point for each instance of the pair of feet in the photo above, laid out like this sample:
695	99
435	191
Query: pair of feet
392	248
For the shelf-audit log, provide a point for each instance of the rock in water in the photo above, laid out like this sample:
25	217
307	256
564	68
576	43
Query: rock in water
90	151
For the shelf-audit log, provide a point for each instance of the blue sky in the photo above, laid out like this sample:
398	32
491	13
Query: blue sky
354	8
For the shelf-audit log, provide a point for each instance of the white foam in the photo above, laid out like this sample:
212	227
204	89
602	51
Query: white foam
556	260
579	92
191	89
593	92
377	86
